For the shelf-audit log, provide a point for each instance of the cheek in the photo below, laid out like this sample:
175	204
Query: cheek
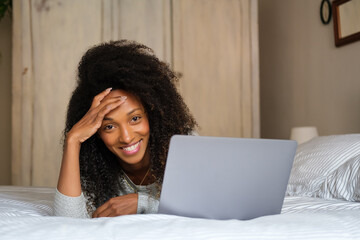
108	139
146	128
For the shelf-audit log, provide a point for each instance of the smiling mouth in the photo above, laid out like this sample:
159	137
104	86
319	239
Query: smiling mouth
132	148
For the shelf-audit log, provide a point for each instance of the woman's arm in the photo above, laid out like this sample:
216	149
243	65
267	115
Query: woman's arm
147	203
69	178
70	206
128	204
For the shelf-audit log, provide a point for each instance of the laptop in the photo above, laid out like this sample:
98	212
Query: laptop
226	178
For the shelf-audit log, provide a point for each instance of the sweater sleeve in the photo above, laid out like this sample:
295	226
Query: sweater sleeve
66	206
147	203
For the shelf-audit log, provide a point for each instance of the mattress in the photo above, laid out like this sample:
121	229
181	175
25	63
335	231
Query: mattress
26	213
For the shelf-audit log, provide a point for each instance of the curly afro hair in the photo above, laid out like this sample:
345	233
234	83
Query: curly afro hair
134	68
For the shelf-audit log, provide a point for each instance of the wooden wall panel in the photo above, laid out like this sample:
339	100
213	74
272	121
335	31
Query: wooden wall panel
22	77
255	68
147	22
49	39
54	35
58	44
213	51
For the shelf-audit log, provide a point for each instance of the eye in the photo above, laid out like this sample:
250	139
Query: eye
108	127
135	119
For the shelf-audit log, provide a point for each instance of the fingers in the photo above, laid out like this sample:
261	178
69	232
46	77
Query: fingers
105	213
99	210
118	206
104	101
104	210
98	98
108	106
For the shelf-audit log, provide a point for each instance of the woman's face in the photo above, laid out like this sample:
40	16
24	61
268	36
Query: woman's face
125	131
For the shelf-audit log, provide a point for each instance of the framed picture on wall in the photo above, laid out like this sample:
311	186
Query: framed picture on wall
346	21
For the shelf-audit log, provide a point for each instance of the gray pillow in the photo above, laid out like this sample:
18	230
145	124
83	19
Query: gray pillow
327	167
344	183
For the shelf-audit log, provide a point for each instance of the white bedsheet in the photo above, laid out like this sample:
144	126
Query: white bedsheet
25	215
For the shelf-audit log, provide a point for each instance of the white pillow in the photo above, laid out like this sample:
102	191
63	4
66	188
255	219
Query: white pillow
327	167
344	183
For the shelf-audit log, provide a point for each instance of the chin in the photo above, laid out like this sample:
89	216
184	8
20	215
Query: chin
131	160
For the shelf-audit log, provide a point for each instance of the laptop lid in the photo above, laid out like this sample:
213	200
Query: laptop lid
226	178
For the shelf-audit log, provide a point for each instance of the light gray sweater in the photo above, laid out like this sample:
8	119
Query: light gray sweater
76	206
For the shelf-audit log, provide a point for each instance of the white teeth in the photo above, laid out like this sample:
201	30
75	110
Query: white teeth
132	148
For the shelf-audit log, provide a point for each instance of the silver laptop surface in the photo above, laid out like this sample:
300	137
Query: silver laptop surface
226	178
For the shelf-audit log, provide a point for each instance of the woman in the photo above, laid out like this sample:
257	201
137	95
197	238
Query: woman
120	119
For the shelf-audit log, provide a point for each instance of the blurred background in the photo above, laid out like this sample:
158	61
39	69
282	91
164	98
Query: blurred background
250	68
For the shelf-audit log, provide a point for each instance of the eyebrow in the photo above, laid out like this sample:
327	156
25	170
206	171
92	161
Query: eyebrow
129	113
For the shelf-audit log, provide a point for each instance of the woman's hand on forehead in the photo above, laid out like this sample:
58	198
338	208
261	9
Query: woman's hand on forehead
112	94
105	95
102	104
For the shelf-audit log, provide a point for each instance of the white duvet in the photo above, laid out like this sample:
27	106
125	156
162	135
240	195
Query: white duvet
25	213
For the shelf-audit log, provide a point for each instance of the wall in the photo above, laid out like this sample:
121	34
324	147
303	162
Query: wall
215	48
304	78
5	100
212	43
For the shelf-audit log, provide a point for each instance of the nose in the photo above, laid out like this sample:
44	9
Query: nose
125	135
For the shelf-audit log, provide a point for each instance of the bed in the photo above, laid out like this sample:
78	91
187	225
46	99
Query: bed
322	202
